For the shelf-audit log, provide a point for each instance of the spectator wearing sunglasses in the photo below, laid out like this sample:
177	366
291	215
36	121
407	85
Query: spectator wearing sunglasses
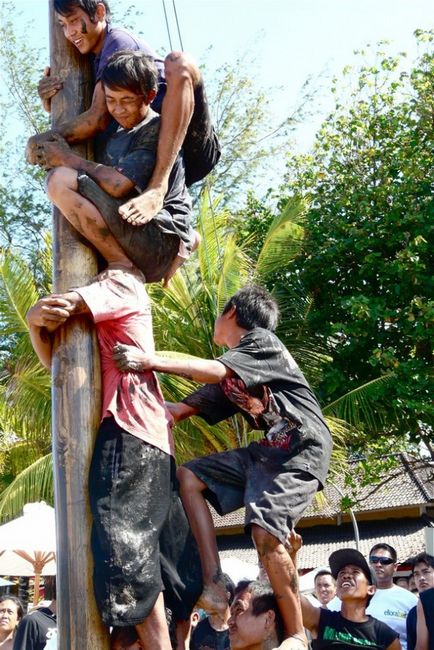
390	603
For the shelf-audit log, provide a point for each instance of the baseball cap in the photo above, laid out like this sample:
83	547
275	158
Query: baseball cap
345	556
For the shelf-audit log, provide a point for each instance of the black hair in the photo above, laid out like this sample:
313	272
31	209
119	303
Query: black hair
255	307
263	599
124	635
424	558
242	586
323	572
386	547
18	603
130	70
230	587
65	7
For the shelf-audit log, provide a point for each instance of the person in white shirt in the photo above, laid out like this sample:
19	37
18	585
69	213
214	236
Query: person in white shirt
390	603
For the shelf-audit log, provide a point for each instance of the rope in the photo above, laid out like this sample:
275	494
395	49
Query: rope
177	25
167	24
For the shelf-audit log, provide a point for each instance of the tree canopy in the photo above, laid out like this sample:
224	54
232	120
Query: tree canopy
367	257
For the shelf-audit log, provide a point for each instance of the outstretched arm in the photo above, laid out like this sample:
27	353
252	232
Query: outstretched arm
310	613
204	371
46	316
181	411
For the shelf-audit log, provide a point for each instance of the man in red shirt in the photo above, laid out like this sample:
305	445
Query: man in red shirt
141	540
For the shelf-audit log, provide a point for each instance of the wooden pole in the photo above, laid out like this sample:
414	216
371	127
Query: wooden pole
76	391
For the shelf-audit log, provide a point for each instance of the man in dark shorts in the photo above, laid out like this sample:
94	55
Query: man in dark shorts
351	627
275	478
89	194
186	121
141	541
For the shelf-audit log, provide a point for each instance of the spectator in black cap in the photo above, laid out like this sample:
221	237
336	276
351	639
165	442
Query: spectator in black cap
351	627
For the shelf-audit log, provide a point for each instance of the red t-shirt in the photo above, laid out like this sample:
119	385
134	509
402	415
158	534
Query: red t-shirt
121	309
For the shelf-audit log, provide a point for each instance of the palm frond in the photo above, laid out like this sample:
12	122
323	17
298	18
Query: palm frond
284	239
17	293
35	483
356	406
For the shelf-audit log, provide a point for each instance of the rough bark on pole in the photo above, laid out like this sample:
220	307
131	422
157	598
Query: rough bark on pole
76	391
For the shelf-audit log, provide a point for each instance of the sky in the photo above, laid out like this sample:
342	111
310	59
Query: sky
291	40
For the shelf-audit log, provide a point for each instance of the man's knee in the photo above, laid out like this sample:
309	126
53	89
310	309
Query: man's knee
59	179
181	67
188	481
264	541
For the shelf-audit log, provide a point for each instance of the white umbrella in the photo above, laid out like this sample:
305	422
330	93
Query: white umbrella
28	544
239	569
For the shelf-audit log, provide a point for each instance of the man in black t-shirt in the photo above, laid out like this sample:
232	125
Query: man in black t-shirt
275	478
36	629
212	633
351	627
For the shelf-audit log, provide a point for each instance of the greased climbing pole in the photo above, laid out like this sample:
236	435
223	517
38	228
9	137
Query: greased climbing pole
75	390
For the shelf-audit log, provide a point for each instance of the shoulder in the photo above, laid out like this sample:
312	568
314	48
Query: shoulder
329	617
120	36
404	596
383	631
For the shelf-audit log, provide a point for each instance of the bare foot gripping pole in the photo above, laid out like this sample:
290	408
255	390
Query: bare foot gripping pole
76	390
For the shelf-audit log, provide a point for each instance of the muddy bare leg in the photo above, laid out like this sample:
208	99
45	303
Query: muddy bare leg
62	189
214	598
153	632
284	581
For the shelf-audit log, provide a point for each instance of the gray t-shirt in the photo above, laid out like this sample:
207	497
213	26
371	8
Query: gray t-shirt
261	360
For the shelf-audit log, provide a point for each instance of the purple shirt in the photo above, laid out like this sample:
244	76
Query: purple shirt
119	39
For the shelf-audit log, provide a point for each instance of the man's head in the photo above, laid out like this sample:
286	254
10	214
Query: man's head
382	558
83	22
423	571
325	586
354	578
252	306
130	82
11	613
255	620
403	582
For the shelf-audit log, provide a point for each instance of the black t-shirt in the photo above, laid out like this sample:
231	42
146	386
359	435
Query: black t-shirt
133	153
35	630
205	637
335	631
261	360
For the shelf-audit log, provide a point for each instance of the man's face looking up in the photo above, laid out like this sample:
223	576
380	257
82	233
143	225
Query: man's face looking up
86	34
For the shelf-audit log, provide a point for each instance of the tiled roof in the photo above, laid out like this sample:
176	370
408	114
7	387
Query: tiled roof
409	483
405	535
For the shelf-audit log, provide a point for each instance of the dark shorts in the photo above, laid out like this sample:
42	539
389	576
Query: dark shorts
201	147
141	540
148	247
263	479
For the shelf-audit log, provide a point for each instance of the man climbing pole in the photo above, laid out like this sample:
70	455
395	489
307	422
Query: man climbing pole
181	99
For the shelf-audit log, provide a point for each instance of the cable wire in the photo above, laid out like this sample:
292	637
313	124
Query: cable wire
177	25
167	25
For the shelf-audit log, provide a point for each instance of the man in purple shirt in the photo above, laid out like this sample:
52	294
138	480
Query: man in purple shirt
185	117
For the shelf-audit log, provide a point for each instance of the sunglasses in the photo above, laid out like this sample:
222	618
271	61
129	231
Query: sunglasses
375	559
